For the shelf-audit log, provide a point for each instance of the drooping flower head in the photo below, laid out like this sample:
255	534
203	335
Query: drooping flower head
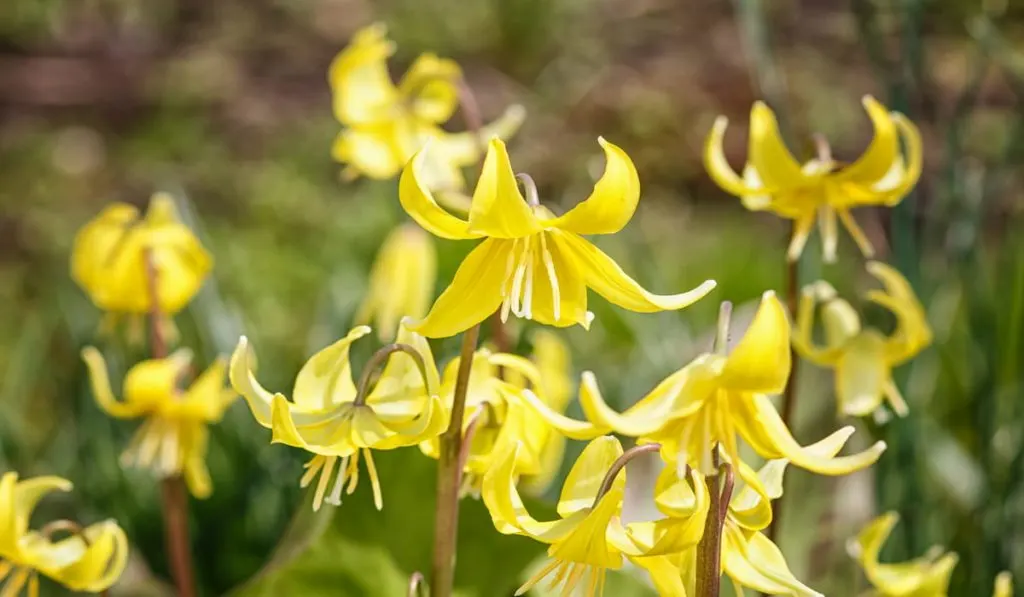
531	263
172	439
927	576
496	417
822	188
715	400
91	559
401	282
112	253
385	124
329	417
589	538
864	358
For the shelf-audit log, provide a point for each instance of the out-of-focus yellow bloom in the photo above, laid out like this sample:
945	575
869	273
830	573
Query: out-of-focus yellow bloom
532	263
1004	585
109	259
91	560
589	538
822	188
713	400
386	124
496	416
173	438
927	576
864	358
325	419
402	280
554	363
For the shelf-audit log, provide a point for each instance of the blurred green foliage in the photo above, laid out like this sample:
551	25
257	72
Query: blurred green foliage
225	105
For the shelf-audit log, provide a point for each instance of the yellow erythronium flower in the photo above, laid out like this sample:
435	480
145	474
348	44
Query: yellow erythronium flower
589	538
90	560
325	417
402	280
927	576
386	124
173	439
864	358
110	254
713	400
775	181
496	416
532	263
554	363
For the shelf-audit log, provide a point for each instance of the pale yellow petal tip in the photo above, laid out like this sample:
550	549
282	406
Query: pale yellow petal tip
359	331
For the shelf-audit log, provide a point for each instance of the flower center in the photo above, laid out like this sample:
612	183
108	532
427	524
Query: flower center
528	255
348	471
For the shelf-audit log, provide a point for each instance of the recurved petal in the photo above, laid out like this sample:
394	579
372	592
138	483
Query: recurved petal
326	378
100	382
206	396
613	200
759	424
768	153
21	499
751	509
753	561
671	399
359	77
506	507
243	380
91	564
862	374
431	87
417	201
761	360
473	295
580	430
606	278
883	151
499	209
902	184
587	473
718	166
464	149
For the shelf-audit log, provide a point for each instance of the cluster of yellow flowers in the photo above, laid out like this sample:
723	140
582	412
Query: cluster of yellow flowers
507	409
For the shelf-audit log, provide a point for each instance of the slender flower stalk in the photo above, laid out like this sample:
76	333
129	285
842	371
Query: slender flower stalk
449	476
172	489
789	394
709	552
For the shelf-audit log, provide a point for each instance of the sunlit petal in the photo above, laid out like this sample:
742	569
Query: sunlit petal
499	209
761	360
884	149
419	203
768	153
613	200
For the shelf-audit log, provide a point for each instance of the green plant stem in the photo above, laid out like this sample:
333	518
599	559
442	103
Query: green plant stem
790	394
172	489
709	551
449	476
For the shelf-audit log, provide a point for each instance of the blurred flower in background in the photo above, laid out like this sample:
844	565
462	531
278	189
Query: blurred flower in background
401	281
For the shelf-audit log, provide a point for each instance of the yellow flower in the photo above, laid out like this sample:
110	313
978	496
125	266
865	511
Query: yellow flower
532	263
109	258
589	538
775	181
402	280
173	438
496	417
927	576
386	124
325	418
91	560
1004	585
713	400
864	358
554	364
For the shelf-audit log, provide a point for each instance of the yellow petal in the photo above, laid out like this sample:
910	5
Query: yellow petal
752	560
687	508
401	377
718	166
473	295
912	171
587	473
328	436
401	280
207	398
605	277
19	499
768	153
665	575
326	378
678	395
1003	585
880	154
581	430
613	200
431	88
419	203
465	149
760	426
243	380
761	360
506	506
748	507
862	375
101	390
499	209
362	88
370	150
587	543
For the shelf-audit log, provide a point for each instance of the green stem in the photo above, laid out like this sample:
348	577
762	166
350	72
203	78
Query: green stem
449	474
619	464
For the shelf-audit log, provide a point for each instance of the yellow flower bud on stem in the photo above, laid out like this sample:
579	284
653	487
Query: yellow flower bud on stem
449	476
172	489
